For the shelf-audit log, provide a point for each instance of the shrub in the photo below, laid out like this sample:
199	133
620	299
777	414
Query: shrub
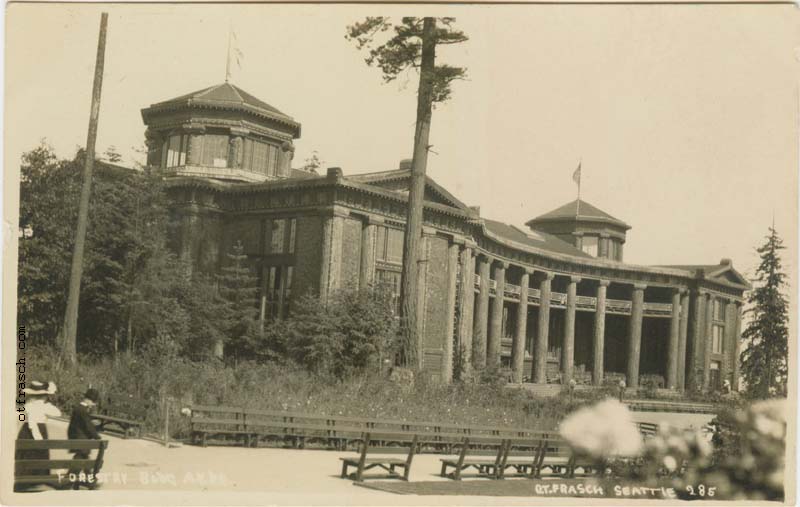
347	334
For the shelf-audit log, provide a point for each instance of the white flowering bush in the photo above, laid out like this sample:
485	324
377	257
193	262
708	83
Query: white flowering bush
744	461
602	431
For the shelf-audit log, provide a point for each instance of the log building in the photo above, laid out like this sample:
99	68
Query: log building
552	302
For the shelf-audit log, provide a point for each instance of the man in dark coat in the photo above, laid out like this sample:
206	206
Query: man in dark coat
80	424
81	427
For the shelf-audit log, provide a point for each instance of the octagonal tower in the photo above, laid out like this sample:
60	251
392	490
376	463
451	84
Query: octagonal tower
220	132
586	227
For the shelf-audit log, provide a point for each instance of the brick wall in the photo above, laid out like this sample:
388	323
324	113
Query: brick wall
308	254
351	253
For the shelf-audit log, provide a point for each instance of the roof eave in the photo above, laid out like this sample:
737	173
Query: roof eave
546	220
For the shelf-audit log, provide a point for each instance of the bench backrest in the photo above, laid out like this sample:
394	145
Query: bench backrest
28	466
206	417
125	406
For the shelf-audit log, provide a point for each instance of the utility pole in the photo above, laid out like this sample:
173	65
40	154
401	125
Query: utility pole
69	343
419	164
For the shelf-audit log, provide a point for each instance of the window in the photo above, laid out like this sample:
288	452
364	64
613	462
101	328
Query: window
613	249
177	146
278	235
391	279
282	236
259	161
259	157
719	310
292	234
390	245
717	338
215	151
394	246
589	245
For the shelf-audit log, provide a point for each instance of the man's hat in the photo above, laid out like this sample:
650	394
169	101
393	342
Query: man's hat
92	394
36	388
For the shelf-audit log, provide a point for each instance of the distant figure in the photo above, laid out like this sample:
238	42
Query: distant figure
37	409
81	427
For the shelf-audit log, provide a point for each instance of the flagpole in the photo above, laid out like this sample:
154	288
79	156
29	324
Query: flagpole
580	177
228	60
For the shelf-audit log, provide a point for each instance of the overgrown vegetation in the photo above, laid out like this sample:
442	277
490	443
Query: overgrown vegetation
159	370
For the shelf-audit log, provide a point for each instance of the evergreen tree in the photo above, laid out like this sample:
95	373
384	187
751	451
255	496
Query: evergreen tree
237	295
133	288
765	354
412	46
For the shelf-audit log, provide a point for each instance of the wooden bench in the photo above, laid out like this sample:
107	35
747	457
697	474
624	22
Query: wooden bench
559	458
647	430
473	454
208	422
125	412
34	472
367	460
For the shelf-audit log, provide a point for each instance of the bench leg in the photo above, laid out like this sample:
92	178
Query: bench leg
344	470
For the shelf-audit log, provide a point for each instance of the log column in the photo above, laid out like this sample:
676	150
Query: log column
737	337
542	336
450	331
465	310
695	341
602	246
518	348
568	354
635	334
366	272
494	343
599	333
684	327
481	315
707	340
673	349
332	228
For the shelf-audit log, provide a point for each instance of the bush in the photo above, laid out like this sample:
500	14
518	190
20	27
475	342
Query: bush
348	334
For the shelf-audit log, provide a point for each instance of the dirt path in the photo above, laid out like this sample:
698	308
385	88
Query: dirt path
230	475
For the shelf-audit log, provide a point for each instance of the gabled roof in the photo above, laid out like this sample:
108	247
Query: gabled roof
535	239
399	180
226	96
570	211
723	272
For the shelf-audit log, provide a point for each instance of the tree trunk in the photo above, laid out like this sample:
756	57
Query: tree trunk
413	231
69	342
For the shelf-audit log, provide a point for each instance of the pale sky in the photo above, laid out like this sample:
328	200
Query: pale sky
685	117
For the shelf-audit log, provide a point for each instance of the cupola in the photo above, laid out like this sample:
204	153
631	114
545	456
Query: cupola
588	228
220	132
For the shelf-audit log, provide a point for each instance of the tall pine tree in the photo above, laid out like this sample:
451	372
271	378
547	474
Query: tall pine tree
412	46
765	354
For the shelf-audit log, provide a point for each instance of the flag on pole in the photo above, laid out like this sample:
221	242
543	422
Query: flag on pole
234	54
